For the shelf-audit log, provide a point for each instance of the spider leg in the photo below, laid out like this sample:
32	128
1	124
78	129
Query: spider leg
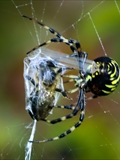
82	56
68	81
64	93
54	121
57	34
72	78
73	90
46	27
77	44
81	105
61	135
56	40
71	42
60	38
71	107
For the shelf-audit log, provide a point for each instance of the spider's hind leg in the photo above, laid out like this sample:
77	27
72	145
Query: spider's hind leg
70	130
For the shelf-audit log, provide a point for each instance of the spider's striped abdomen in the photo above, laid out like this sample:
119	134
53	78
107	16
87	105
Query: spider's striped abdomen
106	77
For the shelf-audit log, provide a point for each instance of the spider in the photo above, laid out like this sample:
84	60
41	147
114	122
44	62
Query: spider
101	78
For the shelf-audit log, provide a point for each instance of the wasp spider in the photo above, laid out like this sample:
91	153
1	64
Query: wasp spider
101	78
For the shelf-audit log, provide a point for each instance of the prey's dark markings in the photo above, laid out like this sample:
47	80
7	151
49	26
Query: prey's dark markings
44	84
101	78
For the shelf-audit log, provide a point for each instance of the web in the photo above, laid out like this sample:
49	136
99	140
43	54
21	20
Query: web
95	24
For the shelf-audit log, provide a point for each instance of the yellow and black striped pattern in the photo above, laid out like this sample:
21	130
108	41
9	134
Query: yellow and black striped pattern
105	79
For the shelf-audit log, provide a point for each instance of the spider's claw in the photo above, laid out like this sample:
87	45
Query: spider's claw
64	93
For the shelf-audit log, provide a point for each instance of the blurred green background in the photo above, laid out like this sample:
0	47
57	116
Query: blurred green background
98	137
